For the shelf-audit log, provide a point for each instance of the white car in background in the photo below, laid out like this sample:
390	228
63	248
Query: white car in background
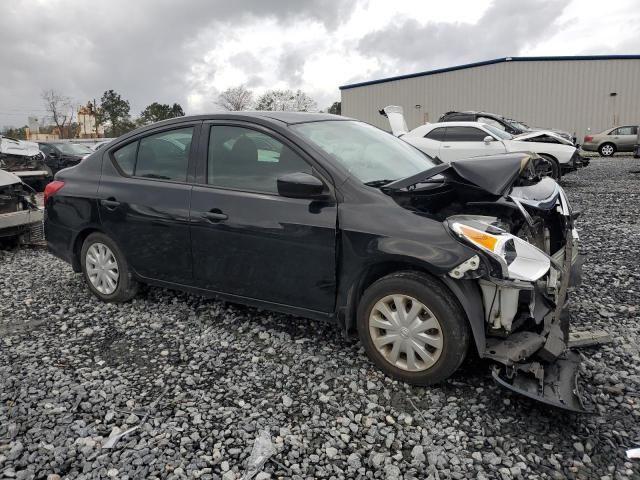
450	141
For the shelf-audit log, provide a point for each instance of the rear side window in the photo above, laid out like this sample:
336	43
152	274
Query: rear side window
163	156
125	157
465	134
492	122
437	134
248	160
625	131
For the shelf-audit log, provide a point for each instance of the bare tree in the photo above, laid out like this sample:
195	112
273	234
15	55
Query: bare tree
236	99
59	107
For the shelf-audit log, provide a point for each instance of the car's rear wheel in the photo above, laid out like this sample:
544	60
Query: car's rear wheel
546	166
412	328
607	149
105	269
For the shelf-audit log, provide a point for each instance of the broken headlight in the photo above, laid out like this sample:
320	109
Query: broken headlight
518	259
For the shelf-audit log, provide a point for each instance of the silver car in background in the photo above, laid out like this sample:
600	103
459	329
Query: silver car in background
612	140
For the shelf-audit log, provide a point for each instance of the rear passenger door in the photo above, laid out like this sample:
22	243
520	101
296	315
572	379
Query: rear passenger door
466	142
247	240
144	197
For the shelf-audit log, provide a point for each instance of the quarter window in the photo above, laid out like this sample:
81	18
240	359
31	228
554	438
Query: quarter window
437	134
465	134
245	159
125	157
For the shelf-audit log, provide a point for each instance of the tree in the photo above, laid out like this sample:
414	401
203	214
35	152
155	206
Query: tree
59	107
236	99
286	101
17	133
160	111
336	108
114	111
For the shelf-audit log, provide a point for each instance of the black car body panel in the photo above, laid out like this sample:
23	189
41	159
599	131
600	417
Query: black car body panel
315	257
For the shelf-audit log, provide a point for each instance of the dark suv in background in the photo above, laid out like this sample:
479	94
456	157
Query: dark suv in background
509	125
63	154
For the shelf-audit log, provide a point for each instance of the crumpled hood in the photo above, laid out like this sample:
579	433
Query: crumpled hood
10	146
495	173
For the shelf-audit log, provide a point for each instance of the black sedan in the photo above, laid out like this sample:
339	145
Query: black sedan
59	155
329	218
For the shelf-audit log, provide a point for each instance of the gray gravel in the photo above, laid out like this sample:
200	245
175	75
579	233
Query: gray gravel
74	370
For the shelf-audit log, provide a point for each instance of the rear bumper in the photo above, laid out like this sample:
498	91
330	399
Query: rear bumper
589	147
59	240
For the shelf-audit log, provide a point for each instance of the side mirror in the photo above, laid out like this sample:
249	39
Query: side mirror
300	185
488	139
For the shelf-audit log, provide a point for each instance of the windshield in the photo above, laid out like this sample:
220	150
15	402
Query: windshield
367	152
73	149
501	134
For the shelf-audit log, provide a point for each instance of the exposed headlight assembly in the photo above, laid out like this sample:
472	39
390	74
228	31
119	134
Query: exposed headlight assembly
519	259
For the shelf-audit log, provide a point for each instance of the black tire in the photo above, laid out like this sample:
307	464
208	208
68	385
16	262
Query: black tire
454	326
607	152
126	287
555	172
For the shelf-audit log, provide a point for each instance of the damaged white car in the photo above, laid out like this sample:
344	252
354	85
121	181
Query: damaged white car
25	160
451	141
20	216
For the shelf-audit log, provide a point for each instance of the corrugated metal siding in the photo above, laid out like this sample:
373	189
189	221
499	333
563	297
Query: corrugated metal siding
568	95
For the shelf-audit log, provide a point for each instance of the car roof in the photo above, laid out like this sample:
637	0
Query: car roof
456	124
287	118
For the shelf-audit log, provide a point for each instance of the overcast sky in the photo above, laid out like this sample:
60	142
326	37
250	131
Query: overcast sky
188	51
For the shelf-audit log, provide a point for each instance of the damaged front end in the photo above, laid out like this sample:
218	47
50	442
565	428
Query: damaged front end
25	160
527	261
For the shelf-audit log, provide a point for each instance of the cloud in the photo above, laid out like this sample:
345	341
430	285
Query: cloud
504	29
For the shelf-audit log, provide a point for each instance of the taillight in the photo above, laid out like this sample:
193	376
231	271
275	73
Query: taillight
588	138
51	189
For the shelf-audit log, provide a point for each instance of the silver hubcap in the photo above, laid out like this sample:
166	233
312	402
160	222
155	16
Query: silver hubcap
406	333
102	268
607	150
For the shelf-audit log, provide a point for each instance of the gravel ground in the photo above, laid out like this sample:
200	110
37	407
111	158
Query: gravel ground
203	378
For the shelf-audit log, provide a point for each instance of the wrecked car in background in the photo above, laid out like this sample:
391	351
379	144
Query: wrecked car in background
20	216
511	126
450	141
59	155
25	160
329	218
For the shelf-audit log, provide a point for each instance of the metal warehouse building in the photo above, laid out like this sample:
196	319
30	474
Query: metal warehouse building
574	94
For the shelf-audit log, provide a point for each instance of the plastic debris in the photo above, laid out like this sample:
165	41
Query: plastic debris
633	453
115	436
263	448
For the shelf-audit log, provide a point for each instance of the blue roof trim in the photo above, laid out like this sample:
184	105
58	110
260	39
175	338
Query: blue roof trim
490	62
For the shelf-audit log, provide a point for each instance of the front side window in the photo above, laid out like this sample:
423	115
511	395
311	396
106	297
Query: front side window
367	152
465	134
248	160
163	156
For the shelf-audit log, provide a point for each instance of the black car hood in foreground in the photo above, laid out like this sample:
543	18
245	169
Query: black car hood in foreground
495	174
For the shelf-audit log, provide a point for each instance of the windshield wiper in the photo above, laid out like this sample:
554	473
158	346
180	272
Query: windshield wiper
378	183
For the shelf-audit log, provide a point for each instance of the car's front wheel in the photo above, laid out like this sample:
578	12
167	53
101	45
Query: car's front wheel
105	269
546	166
412	328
